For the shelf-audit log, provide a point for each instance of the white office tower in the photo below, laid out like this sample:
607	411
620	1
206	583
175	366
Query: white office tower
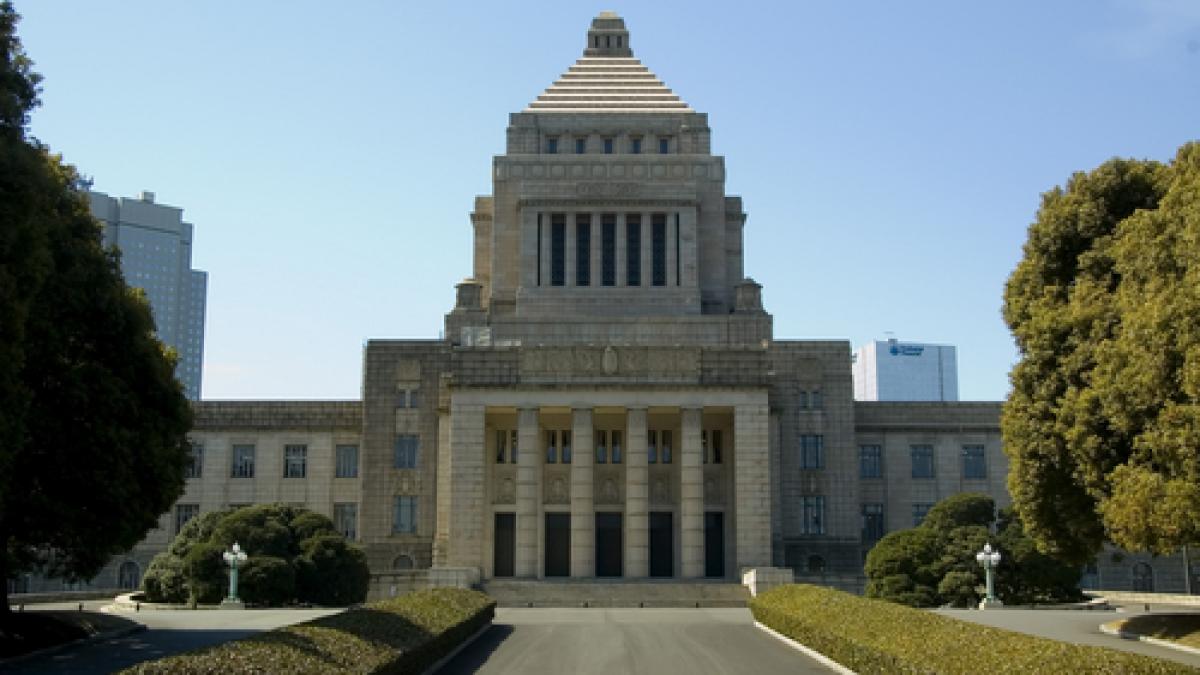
156	256
890	370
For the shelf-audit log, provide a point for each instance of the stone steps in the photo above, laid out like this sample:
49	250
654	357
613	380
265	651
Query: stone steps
615	593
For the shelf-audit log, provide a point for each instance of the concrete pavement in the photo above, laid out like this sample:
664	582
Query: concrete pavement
1076	626
686	641
167	632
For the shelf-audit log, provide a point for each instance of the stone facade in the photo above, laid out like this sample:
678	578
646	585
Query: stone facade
609	399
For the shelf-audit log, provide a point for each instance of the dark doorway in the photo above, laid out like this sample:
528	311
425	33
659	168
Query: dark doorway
558	545
504	544
714	544
662	544
608	545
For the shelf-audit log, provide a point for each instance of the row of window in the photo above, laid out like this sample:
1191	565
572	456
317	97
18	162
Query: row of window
974	461
295	461
345	516
608	145
812	517
557	446
810	400
608	249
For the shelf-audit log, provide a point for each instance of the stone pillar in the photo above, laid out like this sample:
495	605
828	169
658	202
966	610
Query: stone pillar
597	246
647	250
529	474
583	509
620	257
637	496
689	252
670	244
463	529
529	250
542	225
691	495
569	249
752	503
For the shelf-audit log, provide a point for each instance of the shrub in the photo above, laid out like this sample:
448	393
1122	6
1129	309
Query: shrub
407	634
164	580
308	524
331	572
873	636
204	569
267	580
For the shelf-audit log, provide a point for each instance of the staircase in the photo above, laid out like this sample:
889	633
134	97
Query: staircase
615	593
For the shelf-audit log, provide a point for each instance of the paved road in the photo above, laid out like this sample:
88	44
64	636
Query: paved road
1079	627
168	632
609	641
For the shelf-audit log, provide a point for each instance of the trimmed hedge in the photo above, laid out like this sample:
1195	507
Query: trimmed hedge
407	634
876	636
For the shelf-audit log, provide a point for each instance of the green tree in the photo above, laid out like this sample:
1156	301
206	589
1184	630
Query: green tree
1103	423
934	564
93	423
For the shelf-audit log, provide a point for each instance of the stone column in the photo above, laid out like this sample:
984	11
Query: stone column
529	474
569	249
620	257
529	250
542	225
463	529
752	503
691	495
583	509
637	496
597	247
670	244
689	253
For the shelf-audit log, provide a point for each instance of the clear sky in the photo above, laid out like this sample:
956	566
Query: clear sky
890	154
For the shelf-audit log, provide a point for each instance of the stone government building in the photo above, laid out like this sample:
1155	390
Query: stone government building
609	399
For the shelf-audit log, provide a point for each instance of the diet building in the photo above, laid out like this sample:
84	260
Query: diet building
609	399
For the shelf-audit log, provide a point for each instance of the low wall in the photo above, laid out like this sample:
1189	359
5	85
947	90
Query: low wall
1146	598
390	584
16	599
763	579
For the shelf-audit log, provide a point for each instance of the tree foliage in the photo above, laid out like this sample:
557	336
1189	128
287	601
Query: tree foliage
934	564
294	554
92	421
1103	423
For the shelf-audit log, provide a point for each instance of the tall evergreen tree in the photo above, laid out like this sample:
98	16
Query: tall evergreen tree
1103	423
92	421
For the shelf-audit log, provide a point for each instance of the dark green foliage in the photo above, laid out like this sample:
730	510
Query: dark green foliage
934	564
331	572
295	554
1103	421
407	634
93	423
870	636
267	580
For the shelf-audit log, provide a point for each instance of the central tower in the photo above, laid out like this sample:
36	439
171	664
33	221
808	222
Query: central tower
608	210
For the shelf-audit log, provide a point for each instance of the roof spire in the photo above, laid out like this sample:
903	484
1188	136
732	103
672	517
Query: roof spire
607	36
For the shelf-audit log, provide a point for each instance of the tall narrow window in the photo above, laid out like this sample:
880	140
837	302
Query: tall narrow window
406	451
565	446
870	461
922	461
658	242
405	517
652	446
872	522
184	513
195	466
345	519
580	145
664	450
243	462
812	450
974	462
717	449
552	145
347	461
677	258
664	145
635	146
812	514
512	446
608	249
551	448
583	249
633	250
608	146
539	249
558	244
614	444
501	445
601	447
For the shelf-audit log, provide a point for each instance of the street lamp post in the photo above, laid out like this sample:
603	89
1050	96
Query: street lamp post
233	557
989	559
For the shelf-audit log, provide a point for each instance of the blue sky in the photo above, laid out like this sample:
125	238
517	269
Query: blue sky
890	155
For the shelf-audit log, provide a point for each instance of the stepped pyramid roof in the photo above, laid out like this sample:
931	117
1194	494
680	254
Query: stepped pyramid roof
608	78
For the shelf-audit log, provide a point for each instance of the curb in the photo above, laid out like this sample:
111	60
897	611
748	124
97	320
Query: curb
98	637
463	645
1126	635
807	651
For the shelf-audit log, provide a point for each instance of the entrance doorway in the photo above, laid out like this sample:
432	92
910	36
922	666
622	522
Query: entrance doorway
714	544
662	544
558	545
608	545
504	546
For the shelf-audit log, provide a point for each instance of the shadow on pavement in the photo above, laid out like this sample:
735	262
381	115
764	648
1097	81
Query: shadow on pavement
106	656
472	658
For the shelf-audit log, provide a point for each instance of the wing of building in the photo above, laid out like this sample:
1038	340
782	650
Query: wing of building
609	399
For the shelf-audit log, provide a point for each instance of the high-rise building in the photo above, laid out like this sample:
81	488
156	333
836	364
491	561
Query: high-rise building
156	256
890	370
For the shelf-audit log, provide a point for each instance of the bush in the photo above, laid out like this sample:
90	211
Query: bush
873	636
407	634
330	572
275	537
